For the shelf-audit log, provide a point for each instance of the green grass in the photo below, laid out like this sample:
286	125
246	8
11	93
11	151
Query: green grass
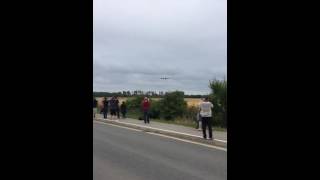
220	129
133	114
178	121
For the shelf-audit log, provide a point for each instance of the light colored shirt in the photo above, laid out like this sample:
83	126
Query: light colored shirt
205	109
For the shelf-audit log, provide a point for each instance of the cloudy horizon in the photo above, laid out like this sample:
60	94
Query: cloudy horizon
138	42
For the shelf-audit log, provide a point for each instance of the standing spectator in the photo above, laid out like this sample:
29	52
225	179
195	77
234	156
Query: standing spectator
206	117
113	107
95	110
100	107
105	108
123	109
117	107
198	121
145	108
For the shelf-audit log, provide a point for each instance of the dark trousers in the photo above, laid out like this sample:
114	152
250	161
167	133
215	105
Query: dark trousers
146	116
118	113
105	113
197	124
206	121
123	114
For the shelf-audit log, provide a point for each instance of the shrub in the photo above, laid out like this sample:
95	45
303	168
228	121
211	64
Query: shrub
173	105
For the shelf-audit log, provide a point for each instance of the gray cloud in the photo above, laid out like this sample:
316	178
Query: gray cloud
137	42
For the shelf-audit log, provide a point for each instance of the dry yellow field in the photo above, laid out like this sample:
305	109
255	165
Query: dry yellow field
193	101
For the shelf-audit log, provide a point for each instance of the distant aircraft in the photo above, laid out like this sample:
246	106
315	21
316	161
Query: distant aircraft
164	78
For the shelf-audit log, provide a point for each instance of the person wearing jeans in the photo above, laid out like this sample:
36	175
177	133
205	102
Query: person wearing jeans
206	117
145	109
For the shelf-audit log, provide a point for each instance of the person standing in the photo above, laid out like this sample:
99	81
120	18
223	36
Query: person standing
117	107
123	109
206	117
145	108
198	121
113	107
105	108
100	107
95	110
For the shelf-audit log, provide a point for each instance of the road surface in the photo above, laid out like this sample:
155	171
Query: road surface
121	154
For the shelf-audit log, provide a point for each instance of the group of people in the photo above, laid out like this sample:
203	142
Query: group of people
111	105
204	116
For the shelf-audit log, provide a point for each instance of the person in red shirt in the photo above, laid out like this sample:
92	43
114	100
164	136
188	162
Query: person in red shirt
145	108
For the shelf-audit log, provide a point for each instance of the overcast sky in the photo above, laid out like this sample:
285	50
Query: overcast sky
136	42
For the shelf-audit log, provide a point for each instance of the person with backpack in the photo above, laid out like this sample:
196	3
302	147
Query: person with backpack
105	103
205	109
145	108
123	109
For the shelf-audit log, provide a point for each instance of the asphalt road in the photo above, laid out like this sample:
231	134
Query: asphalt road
121	154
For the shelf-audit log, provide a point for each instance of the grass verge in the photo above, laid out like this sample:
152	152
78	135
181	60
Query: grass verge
178	121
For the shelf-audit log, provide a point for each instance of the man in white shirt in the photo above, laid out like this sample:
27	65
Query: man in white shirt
206	117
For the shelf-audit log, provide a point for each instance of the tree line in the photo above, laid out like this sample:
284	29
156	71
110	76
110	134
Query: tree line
139	93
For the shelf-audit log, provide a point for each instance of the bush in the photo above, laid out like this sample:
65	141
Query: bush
134	107
134	103
191	113
173	105
155	110
218	97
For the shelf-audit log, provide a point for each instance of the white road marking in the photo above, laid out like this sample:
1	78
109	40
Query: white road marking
117	126
206	145
192	142
170	131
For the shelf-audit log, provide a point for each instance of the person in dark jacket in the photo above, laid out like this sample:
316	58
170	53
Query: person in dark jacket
117	107
123	109
113	106
105	103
